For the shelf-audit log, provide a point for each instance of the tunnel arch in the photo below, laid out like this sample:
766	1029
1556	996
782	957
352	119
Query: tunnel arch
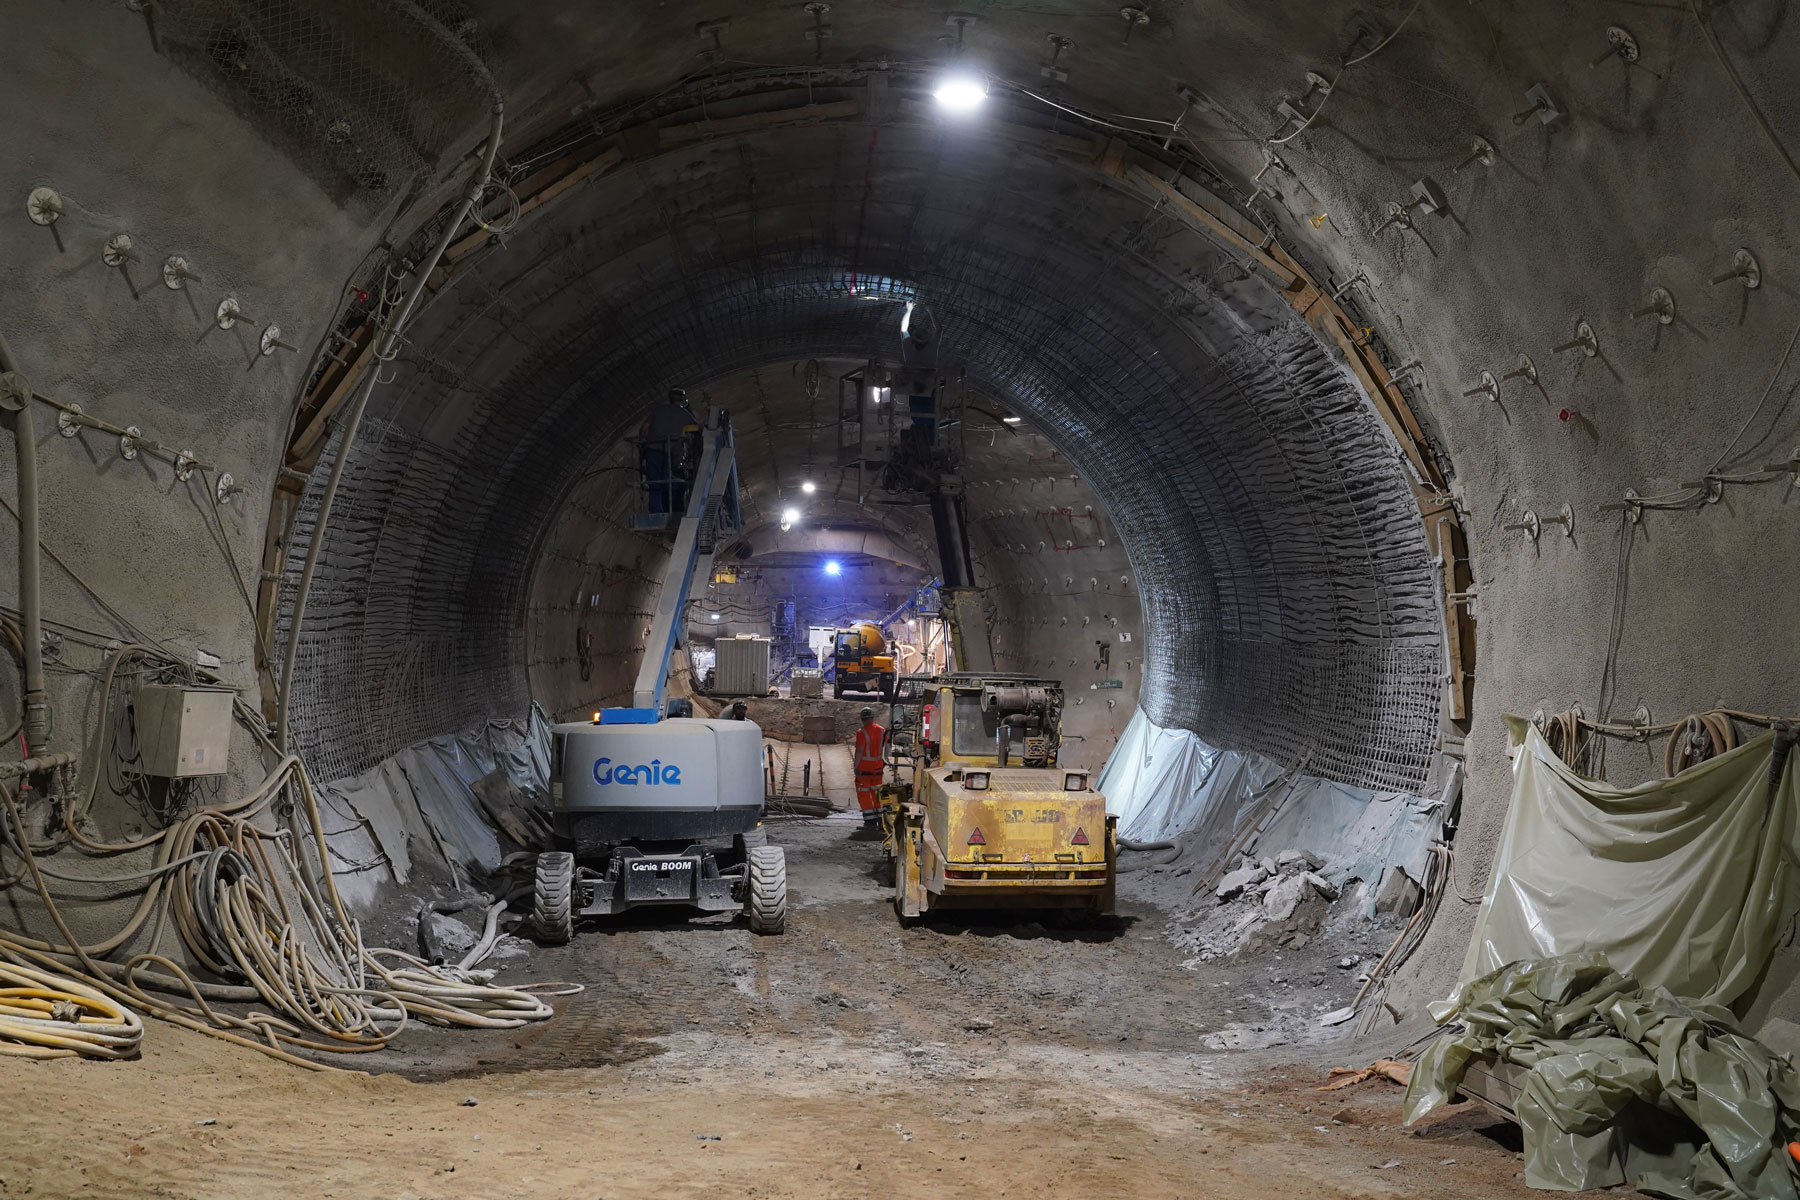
1656	176
1257	491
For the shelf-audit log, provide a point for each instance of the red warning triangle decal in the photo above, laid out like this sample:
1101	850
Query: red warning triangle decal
975	839
1080	838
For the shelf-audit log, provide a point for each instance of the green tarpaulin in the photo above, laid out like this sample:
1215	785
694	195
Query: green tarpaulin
1617	925
1627	1084
1683	882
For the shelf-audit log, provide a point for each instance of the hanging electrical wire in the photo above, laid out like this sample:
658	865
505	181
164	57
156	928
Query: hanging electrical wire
1371	997
1743	93
1331	87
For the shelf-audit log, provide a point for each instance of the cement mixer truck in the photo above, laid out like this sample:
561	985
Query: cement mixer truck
864	661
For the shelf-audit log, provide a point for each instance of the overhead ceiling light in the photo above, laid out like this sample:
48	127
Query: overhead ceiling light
961	92
789	516
1012	420
833	567
809	487
715	616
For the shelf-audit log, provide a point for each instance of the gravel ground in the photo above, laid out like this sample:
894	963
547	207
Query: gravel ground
988	1055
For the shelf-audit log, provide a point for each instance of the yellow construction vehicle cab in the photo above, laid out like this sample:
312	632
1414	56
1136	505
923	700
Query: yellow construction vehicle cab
988	818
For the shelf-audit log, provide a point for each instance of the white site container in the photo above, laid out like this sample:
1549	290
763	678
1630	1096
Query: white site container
741	667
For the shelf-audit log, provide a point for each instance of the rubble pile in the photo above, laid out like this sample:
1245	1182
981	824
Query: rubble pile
1278	902
1281	946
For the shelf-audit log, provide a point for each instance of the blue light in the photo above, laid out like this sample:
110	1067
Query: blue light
833	567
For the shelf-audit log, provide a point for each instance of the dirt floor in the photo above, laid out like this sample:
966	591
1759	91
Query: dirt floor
988	1055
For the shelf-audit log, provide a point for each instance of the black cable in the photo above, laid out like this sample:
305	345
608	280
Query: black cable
1737	83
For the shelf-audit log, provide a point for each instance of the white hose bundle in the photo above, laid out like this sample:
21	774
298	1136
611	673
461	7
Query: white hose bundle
47	1016
238	898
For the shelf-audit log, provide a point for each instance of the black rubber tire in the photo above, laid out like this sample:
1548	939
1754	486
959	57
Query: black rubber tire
553	898
765	901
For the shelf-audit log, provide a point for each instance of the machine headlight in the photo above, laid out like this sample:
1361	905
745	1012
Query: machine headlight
1075	781
976	781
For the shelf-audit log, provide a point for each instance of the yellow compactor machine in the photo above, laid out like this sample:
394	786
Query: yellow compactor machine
983	816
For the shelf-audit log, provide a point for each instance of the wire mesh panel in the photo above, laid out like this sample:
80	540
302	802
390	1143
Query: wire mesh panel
363	95
1285	582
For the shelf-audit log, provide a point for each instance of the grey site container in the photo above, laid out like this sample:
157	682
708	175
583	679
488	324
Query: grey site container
808	683
742	666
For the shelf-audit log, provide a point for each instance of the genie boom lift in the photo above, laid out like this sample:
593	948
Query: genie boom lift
648	795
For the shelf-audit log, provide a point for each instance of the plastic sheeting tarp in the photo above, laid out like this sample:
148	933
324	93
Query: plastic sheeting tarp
429	789
1683	882
1164	783
1626	1083
383	801
1359	833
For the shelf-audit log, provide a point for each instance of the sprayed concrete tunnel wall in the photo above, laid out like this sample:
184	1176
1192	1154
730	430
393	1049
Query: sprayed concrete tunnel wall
1274	540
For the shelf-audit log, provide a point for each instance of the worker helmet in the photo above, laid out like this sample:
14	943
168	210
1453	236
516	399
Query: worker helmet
868	714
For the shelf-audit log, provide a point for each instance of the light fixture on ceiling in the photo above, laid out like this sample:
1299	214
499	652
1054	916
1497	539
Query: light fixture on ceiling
961	91
789	518
833	567
809	487
715	616
1012	420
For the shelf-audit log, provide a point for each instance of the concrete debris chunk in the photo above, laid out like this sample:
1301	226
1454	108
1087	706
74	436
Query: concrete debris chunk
1320	885
1238	880
1398	894
1282	899
1268	866
1305	860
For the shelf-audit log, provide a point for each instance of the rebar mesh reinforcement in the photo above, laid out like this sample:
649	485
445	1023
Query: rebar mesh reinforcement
363	95
1286	585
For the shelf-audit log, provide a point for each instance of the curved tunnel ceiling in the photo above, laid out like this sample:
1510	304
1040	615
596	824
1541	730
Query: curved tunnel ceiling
1285	580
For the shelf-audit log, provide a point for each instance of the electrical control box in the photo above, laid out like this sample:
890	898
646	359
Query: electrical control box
183	731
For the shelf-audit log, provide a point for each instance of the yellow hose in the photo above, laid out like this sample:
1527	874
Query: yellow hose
47	1016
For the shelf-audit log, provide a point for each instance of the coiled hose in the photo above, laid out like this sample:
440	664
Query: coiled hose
1700	737
47	1016
1174	852
244	909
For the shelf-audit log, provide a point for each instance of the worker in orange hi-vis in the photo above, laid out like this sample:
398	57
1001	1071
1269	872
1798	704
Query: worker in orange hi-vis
870	740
